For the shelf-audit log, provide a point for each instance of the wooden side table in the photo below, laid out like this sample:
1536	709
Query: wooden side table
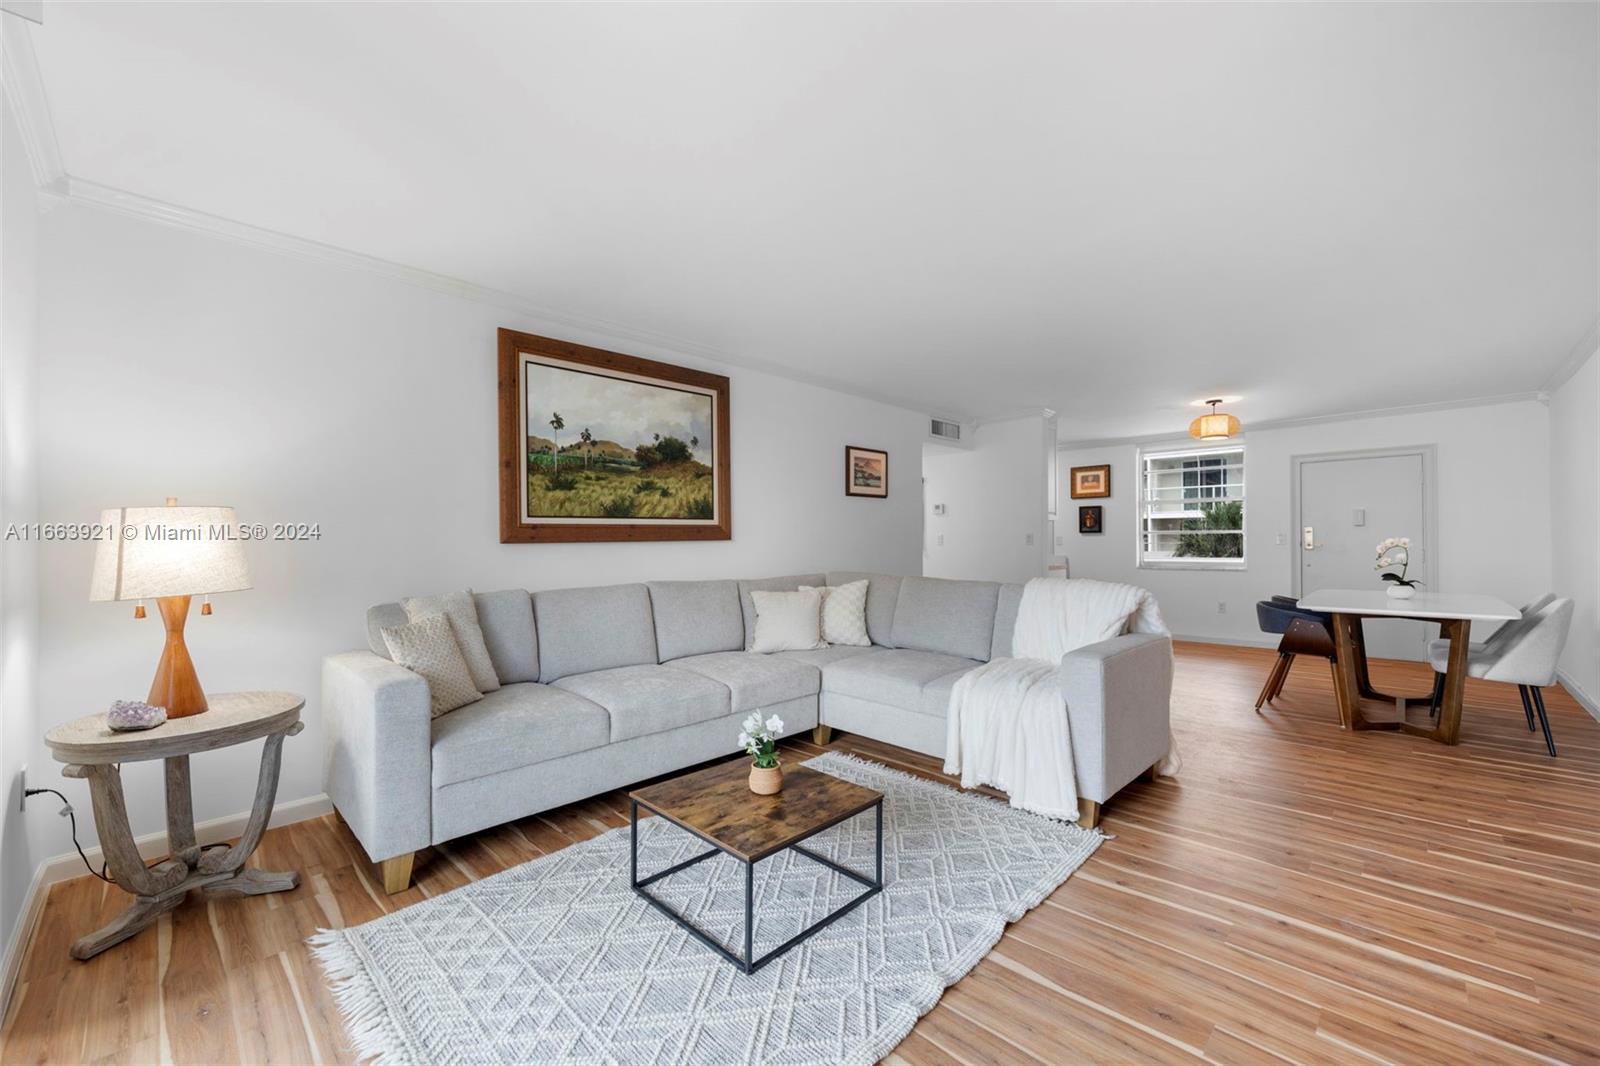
94	752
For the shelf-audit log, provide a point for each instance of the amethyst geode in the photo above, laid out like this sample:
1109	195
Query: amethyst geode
127	715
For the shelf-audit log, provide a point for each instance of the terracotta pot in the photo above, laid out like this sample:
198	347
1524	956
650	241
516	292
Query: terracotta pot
1401	592
766	781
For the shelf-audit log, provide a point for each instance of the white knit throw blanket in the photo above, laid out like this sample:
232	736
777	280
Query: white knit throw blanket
1007	724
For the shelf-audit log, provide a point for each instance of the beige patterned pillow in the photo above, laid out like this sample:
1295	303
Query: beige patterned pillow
428	647
844	613
462	610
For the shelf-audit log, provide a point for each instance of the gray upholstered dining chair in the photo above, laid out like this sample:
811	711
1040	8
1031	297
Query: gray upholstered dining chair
1522	653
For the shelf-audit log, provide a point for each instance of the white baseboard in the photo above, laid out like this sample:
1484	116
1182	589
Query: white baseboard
68	865
21	934
1575	690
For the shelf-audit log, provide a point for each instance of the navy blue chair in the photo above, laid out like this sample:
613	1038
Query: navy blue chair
1304	633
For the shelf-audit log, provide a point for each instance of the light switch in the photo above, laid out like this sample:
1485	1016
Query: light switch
1283	538
1358	517
1027	538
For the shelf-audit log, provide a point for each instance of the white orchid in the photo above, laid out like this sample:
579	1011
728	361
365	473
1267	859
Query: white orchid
1395	551
760	739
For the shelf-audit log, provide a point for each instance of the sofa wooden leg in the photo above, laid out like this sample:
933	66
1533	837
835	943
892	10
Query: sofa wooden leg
1150	774
1088	814
822	734
397	873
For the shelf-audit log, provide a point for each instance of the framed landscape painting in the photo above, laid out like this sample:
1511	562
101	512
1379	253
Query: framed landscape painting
866	472
596	445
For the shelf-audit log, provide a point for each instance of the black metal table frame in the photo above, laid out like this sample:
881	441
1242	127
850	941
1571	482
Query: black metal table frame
748	963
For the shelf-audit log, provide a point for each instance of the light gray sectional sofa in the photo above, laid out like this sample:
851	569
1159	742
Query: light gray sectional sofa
602	687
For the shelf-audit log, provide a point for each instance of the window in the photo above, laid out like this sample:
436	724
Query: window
1191	509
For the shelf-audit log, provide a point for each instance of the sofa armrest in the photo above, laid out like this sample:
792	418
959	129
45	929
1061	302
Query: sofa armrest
379	761
1119	708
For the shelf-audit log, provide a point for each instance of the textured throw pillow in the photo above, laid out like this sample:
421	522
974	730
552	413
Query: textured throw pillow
462	610
787	621
428	647
844	613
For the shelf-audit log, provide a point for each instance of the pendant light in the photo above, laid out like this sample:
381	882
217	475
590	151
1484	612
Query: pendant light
1214	426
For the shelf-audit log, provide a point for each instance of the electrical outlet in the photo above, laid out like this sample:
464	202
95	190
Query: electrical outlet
1222	606
1283	538
1060	541
1027	538
940	541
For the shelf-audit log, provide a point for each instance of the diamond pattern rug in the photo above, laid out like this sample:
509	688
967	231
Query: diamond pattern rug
558	960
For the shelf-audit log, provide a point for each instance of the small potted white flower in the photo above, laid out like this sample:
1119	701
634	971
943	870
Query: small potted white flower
760	739
1396	551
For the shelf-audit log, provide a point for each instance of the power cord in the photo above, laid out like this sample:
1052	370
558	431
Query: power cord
68	813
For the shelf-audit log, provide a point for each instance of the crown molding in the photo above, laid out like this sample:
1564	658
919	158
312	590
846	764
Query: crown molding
1587	345
1316	420
19	73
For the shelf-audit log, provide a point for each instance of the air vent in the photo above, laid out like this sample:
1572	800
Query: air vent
944	430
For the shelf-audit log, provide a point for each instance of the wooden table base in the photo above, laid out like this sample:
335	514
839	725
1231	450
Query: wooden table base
1352	684
160	888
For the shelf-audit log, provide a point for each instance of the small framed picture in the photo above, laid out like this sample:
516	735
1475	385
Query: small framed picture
866	472
1091	519
1091	482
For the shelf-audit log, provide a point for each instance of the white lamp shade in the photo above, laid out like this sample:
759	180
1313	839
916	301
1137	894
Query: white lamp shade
170	551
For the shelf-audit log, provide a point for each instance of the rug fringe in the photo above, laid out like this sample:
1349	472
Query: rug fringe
367	1020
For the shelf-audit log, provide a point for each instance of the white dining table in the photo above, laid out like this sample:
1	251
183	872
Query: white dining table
1454	612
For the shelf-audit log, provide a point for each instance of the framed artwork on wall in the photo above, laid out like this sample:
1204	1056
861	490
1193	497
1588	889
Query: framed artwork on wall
1091	519
596	445
1091	482
866	472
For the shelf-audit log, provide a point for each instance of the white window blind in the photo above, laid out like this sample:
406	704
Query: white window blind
1191	509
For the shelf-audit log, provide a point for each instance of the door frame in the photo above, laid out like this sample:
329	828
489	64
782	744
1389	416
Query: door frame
1429	454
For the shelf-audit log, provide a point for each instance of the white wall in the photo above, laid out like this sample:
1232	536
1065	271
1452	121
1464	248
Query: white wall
1493	515
174	363
1575	522
994	497
18	498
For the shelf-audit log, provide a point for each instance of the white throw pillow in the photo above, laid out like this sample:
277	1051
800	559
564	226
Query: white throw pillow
428	647
844	613
462	610
787	621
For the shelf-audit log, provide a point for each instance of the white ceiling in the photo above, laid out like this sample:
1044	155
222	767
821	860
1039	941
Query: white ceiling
1107	210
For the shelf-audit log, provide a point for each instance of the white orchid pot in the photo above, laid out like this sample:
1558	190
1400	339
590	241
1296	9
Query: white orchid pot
1401	592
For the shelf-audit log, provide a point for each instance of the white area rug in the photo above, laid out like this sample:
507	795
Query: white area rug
558	960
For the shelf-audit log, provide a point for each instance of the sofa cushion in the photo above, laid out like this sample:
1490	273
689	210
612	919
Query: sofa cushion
936	693
1005	620
583	630
650	699
768	584
518	725
949	617
429	647
755	681
506	618
882	592
822	657
462	611
696	617
892	676
380	617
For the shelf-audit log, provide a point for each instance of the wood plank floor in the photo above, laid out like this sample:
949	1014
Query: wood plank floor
1298	894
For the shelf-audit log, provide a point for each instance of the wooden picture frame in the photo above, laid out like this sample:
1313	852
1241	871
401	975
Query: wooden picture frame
1091	519
866	472
637	478
1090	482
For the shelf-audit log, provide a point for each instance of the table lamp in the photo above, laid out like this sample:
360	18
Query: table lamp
169	554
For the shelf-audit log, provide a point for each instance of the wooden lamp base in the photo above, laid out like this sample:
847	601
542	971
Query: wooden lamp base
176	686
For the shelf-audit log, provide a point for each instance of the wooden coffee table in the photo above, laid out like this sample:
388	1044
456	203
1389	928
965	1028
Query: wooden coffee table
717	806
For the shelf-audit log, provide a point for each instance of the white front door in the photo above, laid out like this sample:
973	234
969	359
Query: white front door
1348	505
